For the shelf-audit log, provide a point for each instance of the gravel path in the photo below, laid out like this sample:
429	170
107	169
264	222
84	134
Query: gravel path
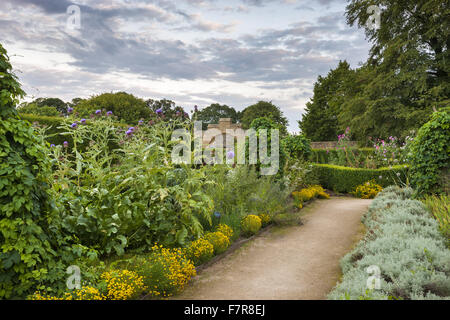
286	263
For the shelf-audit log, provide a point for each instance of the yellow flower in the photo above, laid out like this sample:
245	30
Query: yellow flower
251	224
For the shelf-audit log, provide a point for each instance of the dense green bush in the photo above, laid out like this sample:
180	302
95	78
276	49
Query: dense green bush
39	111
297	146
32	252
345	179
430	159
126	107
403	241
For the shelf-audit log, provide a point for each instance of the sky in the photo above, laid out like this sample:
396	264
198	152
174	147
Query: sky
194	52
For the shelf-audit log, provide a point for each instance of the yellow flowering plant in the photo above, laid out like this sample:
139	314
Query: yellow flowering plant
219	241
251	224
225	229
200	251
309	193
123	284
265	219
368	190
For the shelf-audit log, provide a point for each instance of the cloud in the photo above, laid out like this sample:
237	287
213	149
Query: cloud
192	43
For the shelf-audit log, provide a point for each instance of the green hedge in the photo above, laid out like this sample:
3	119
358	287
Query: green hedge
323	156
345	179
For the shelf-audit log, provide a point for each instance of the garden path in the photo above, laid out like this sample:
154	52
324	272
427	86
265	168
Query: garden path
287	263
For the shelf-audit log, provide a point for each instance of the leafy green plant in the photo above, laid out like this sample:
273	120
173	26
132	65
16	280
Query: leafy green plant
251	224
297	146
430	158
439	207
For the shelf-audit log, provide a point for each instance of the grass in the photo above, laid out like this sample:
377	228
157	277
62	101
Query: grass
439	207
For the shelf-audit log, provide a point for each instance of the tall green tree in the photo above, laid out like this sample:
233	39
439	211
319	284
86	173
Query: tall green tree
169	110
264	109
214	112
320	121
407	73
125	106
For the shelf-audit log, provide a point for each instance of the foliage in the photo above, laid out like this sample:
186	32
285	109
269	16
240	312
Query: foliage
297	146
404	242
392	152
319	122
214	112
219	241
345	179
439	208
29	243
123	285
200	251
251	224
128	198
165	110
300	174
237	191
264	109
56	103
225	229
125	107
164	271
265	219
430	158
307	194
259	125
39	111
368	190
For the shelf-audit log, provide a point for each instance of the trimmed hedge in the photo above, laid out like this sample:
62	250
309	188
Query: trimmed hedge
323	156
345	179
403	242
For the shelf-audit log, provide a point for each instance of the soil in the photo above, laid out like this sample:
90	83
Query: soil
286	263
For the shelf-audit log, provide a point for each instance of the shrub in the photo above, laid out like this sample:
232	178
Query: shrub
126	107
226	230
265	219
297	146
219	241
39	111
323	156
200	251
165	271
123	285
29	244
404	242
368	190
251	224
85	293
344	179
431	155
309	193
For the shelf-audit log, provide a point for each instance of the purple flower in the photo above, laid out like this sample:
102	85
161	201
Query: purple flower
52	146
141	122
159	111
129	132
74	125
83	121
109	113
69	110
65	144
132	129
230	154
98	112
